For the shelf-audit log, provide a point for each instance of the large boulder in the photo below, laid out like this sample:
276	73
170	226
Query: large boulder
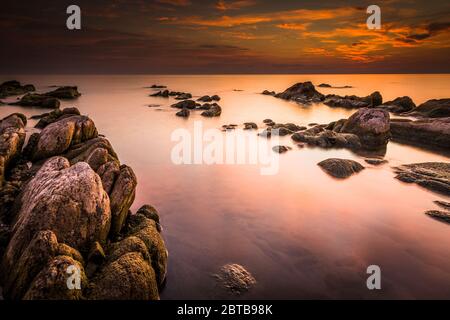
301	92
47	118
57	137
371	125
214	111
68	200
12	138
340	168
14	88
436	108
185	104
429	132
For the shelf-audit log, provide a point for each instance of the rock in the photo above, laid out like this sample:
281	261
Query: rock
443	204
164	94
324	85
186	104
205	99
14	88
96	253
268	93
214	111
56	138
301	92
267	120
51	282
290	126
205	106
376	162
235	279
430	132
354	102
151	213
108	173
281	149
436	108
157	86
66	93
340	168
122	197
12	138
55	115
250	126
130	277
317	136
280	131
183	96
183	113
215	97
399	105
68	200
38	100
434	176
371	125
439	215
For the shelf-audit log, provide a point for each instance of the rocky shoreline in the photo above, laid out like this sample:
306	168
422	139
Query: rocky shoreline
65	203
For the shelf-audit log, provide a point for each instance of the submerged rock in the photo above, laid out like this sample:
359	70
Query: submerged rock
281	149
434	176
443	204
250	126
66	93
183	96
268	93
320	137
164	94
235	279
185	104
430	132
183	113
38	100
376	162
340	168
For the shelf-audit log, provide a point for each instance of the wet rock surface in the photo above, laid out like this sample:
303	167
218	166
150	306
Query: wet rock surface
67	204
399	105
353	102
340	168
434	176
235	279
435	108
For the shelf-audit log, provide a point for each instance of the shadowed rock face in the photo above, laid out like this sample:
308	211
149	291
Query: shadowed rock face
434	176
68	210
354	102
399	105
436	108
12	137
432	132
340	168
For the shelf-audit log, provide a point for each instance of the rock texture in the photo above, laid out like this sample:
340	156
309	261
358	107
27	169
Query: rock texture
354	102
340	168
302	92
434	176
399	105
68	208
436	108
14	88
429	132
235	279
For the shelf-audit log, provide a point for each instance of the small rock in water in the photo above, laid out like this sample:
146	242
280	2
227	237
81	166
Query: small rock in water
376	162
154	105
340	168
443	204
281	149
440	215
234	278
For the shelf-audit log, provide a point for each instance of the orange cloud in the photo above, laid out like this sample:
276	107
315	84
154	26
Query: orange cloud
293	26
178	3
234	5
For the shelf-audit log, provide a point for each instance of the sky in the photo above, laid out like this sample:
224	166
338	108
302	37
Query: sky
224	36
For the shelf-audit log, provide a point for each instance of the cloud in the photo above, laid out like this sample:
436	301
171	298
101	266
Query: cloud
224	5
177	3
293	26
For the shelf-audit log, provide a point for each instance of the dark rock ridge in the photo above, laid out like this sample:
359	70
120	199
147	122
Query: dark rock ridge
48	99
14	88
429	132
65	202
326	85
209	98
434	176
340	168
47	118
354	102
436	108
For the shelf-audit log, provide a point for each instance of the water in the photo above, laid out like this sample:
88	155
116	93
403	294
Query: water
301	233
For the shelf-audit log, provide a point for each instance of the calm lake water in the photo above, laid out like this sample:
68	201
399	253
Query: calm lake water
301	233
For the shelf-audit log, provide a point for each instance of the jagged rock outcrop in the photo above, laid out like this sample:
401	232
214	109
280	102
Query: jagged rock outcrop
399	105
435	108
14	88
354	102
47	118
302	92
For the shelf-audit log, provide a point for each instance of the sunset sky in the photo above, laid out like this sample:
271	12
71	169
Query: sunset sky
225	36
